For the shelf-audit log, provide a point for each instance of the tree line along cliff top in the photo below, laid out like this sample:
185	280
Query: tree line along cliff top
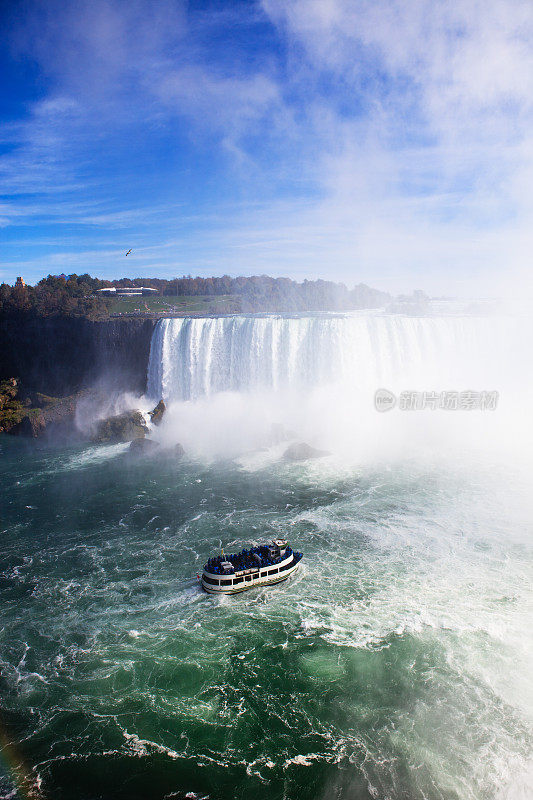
77	296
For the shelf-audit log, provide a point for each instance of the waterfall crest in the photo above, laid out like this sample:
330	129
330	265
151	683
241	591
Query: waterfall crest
195	357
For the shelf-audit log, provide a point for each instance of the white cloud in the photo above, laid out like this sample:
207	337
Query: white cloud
227	106
435	168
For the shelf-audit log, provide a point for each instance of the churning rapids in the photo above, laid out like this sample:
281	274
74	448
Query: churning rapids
395	665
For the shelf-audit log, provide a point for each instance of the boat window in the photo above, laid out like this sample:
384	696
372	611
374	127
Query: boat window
255	575
238	580
248	577
226	582
210	580
272	571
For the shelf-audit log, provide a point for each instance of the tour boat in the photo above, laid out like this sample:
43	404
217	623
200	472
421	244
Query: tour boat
260	566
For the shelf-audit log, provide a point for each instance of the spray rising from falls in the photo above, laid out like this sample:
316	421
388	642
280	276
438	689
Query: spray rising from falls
191	358
230	382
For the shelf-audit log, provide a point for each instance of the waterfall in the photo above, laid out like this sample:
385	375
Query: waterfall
195	357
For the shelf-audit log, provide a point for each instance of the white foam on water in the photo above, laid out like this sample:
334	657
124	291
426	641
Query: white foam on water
95	455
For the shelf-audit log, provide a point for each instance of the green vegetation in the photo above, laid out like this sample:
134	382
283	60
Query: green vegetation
224	304
32	413
12	411
55	296
77	296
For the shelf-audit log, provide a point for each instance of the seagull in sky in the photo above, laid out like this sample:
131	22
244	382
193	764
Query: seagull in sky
129	251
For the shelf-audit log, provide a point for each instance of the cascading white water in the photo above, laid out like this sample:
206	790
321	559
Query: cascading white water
194	357
230	381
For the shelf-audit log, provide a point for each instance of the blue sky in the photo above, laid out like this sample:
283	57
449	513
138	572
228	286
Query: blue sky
384	141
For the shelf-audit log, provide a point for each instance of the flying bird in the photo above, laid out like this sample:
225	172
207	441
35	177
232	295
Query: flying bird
129	251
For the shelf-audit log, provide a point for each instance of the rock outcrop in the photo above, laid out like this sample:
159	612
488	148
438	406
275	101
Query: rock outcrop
143	447
37	414
300	451
158	413
121	428
148	447
33	424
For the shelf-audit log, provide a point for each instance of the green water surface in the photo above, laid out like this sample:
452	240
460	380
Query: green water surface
392	665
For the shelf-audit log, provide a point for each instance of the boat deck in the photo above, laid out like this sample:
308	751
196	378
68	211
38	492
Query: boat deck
258	566
247	559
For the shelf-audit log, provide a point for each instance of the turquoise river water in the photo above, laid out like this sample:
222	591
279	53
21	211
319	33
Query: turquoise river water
395	664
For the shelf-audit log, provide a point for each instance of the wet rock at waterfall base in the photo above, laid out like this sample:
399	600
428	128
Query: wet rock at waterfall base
39	415
143	447
157	414
121	428
33	424
300	451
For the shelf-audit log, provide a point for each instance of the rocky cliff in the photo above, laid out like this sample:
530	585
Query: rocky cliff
60	356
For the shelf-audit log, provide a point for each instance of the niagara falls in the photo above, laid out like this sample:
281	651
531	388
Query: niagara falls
266	400
395	663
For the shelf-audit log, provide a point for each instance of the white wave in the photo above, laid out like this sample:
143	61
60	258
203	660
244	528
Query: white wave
95	455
